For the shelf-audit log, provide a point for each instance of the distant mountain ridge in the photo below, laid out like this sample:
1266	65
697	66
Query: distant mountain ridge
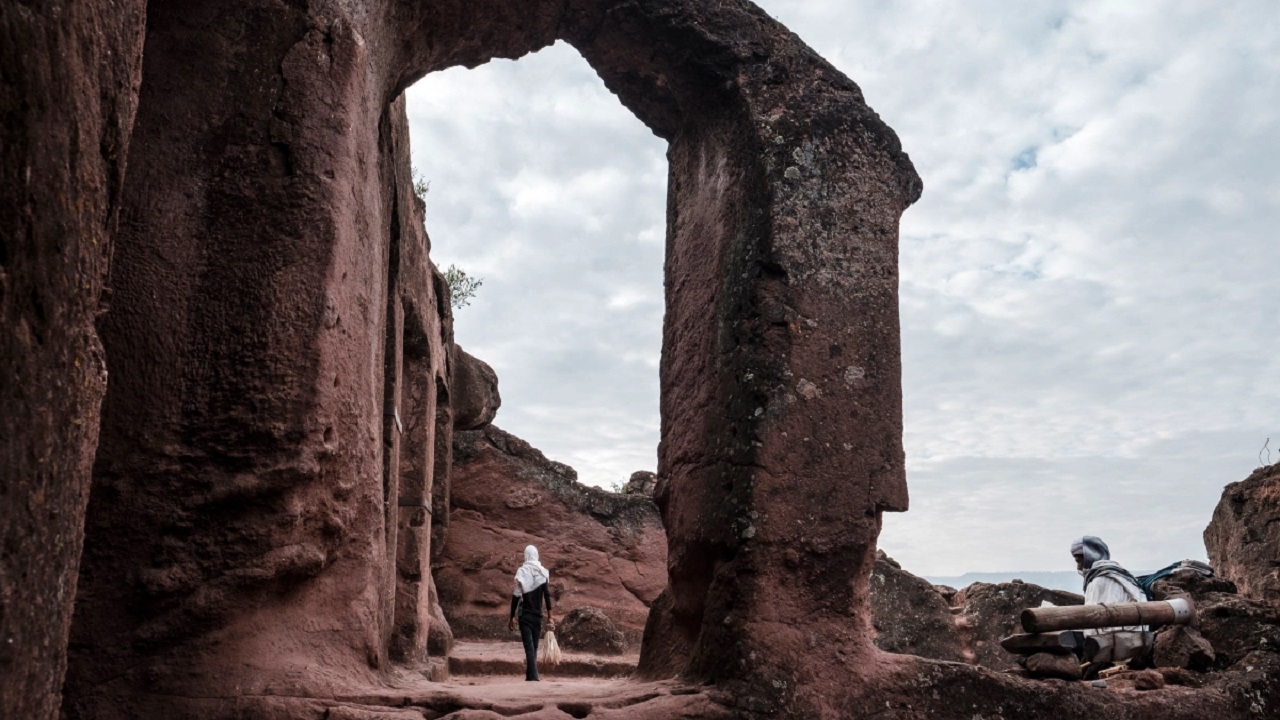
1068	580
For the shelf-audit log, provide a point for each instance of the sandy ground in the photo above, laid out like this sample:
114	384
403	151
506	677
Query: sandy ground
507	659
484	694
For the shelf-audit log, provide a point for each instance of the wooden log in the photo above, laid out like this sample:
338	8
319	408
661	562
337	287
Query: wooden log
1178	611
1060	643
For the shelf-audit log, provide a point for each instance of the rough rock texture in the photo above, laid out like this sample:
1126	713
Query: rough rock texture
990	613
1180	646
1234	626
1189	582
641	482
604	551
475	391
910	616
590	630
1243	539
781	418
440	635
68	81
276	340
1044	665
1147	680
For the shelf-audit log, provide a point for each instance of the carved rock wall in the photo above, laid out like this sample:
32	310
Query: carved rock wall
68	88
277	343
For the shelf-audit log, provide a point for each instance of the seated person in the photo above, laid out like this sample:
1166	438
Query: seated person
1107	583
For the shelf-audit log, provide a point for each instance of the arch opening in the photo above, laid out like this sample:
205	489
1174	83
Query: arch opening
547	189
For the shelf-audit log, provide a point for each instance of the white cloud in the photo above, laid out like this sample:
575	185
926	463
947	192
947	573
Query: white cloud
1091	330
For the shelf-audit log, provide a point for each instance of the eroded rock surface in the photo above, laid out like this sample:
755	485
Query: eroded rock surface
911	617
68	81
990	614
591	630
641	482
475	393
259	519
1243	538
604	550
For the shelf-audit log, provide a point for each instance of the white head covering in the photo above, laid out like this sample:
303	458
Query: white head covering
531	574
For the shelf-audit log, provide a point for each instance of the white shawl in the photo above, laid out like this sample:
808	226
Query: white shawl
531	574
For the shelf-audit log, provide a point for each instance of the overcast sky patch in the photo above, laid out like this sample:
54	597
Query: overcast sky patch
1091	328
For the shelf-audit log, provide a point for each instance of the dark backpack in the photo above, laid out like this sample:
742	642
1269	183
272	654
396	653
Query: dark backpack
1147	582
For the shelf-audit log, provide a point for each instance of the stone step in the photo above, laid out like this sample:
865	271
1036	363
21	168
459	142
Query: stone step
507	658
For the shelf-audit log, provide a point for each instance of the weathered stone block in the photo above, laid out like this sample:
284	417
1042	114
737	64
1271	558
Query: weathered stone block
1180	646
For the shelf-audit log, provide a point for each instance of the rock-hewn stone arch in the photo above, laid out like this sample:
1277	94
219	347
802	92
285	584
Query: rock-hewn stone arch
780	376
270	267
781	407
238	536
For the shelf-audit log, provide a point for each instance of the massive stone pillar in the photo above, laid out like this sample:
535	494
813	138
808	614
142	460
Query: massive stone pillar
241	534
68	90
781	377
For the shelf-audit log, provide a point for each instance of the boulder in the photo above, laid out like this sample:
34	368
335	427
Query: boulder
641	482
1244	534
1045	665
1147	680
605	551
1181	646
589	629
1236	626
474	389
948	593
1232	624
909	616
990	613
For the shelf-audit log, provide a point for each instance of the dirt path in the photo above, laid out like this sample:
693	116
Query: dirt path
487	682
493	697
507	659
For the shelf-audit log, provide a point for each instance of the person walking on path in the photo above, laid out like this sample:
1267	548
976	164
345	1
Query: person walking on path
531	593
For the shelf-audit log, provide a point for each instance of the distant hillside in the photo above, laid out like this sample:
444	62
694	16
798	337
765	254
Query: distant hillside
1068	580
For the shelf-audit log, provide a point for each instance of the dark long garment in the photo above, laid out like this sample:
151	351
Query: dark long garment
531	625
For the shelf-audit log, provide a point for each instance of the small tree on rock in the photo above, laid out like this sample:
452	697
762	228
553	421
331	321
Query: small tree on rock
462	287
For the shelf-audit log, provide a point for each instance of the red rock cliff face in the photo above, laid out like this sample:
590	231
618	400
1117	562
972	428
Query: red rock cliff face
603	550
277	339
68	81
1243	539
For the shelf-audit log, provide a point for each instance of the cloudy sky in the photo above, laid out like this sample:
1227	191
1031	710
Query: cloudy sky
1091	318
